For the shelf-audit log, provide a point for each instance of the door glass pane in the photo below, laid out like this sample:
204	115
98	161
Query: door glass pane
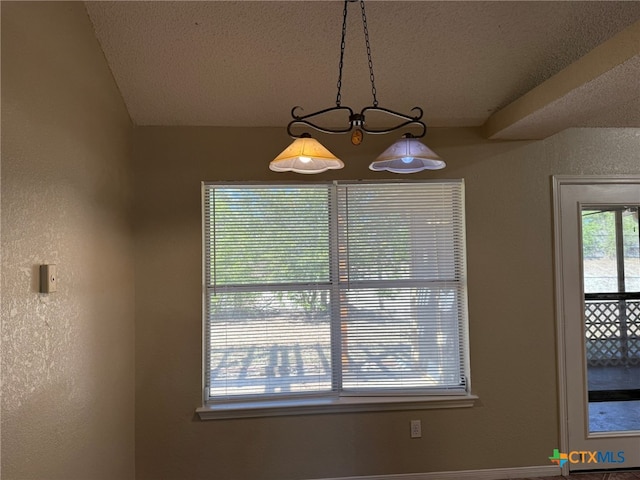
611	267
631	235
599	251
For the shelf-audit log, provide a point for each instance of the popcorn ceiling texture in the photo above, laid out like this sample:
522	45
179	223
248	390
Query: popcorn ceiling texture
67	357
248	63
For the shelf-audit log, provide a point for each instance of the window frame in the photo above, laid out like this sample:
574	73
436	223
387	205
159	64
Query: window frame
333	402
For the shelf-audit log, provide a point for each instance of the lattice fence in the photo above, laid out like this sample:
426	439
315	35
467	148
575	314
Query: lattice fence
613	332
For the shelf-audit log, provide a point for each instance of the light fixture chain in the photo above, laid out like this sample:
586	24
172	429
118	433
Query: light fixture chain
366	40
342	45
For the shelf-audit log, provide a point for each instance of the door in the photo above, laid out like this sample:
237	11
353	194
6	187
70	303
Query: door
597	240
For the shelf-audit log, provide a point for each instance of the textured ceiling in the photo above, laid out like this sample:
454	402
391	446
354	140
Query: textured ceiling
247	63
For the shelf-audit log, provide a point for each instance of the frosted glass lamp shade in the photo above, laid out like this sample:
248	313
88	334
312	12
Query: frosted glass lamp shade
407	155
305	155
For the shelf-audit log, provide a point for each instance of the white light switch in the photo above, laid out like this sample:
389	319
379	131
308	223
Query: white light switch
48	279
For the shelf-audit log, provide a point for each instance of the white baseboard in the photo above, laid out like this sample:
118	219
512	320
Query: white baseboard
489	474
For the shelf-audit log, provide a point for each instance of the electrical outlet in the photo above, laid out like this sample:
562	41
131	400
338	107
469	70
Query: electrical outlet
416	429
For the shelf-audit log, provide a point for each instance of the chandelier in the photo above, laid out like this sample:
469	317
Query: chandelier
308	155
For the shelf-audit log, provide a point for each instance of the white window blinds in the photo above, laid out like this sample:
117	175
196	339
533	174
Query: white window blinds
334	289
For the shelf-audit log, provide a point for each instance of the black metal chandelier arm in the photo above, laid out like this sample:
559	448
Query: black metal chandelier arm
394	113
307	123
319	112
303	120
409	121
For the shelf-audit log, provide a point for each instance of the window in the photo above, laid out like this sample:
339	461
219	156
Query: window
325	294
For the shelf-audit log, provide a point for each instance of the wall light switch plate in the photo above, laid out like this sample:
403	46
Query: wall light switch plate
48	279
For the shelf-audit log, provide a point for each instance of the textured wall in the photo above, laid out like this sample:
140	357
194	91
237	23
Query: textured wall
68	357
512	329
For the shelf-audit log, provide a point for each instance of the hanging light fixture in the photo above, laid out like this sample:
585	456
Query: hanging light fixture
307	155
407	155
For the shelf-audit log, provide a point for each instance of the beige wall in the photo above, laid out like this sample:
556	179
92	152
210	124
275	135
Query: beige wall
67	357
511	308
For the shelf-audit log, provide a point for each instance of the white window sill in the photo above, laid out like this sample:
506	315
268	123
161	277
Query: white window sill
274	408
